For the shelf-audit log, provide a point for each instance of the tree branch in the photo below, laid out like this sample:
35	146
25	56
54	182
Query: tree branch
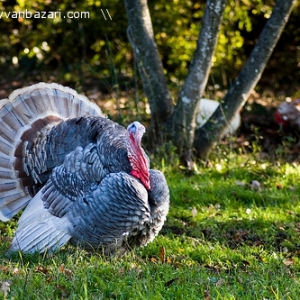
141	37
184	117
237	95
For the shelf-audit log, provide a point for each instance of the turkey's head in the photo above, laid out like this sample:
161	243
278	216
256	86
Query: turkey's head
136	155
281	114
288	114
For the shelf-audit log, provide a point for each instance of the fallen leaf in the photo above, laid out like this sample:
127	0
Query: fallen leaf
162	254
4	269
153	259
206	295
41	269
65	271
288	262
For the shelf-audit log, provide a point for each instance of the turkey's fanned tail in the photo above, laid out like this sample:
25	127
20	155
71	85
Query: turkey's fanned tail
38	230
24	116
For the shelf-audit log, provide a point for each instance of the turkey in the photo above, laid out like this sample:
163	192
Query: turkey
83	178
207	107
288	114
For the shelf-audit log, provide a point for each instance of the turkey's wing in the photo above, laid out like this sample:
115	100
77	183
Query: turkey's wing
78	176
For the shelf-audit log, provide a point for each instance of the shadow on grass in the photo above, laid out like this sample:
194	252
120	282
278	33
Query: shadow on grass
234	234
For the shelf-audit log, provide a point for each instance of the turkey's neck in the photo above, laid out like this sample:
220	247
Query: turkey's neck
137	160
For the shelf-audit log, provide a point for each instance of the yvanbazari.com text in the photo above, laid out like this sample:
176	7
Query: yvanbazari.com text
27	14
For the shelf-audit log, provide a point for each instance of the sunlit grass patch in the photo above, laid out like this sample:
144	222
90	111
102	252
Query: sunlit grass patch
224	238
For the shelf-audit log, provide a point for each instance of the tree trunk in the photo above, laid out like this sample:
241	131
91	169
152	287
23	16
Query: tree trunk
237	95
184	117
141	37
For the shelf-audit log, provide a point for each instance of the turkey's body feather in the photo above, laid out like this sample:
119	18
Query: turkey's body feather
71	165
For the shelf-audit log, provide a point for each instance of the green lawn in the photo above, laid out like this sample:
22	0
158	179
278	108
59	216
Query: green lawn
224	239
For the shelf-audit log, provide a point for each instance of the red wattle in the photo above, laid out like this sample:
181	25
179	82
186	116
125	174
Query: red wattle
144	179
279	120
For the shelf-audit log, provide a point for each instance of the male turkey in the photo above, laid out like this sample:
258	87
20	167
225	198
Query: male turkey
84	178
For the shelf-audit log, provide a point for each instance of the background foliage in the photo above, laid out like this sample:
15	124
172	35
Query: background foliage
78	50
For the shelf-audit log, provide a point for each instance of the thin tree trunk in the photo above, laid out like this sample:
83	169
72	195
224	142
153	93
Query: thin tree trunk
141	37
184	117
237	95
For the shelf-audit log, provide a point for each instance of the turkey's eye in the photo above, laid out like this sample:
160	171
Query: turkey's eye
132	128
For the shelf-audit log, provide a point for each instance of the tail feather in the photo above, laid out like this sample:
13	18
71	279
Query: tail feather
12	199
13	205
6	147
56	99
7	132
7	186
38	230
25	113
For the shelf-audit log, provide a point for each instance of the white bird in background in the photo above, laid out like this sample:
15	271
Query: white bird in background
207	107
81	177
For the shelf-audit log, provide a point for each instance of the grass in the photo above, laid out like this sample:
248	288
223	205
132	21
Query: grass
224	239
